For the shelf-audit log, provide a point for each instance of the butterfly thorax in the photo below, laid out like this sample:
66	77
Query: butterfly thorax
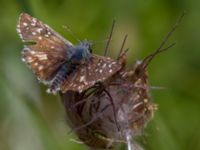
80	52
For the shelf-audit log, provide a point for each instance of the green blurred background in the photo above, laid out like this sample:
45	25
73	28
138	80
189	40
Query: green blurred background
30	119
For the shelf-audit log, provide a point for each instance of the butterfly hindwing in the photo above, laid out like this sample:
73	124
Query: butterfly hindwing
48	49
97	70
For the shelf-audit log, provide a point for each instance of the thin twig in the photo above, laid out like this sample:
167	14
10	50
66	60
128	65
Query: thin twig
109	39
122	47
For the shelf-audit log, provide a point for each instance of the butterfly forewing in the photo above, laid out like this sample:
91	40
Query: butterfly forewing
48	49
97	70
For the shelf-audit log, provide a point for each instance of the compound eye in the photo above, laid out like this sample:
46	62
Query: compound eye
90	49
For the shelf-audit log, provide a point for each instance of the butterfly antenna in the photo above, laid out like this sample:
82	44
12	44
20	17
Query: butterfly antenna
122	47
71	33
109	39
160	49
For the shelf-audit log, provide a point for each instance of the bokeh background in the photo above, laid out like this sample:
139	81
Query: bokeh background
30	119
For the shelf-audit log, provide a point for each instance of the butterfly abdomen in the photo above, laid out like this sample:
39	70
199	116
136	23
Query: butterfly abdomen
58	79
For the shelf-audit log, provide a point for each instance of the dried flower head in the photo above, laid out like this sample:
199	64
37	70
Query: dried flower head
105	114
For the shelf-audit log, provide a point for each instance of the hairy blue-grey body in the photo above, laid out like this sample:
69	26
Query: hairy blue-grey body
76	55
58	79
80	52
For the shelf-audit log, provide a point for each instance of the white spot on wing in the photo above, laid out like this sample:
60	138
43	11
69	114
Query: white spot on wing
26	49
23	60
113	63
40	38
18	30
20	35
32	52
34	20
35	64
33	33
104	65
40	68
39	30
25	24
42	56
29	59
48	90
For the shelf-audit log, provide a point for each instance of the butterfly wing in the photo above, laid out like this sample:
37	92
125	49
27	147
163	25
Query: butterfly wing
47	49
97	70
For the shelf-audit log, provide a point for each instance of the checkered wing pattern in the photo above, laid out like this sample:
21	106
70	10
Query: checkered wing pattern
97	70
45	50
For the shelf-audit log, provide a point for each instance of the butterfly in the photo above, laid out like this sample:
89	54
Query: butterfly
57	62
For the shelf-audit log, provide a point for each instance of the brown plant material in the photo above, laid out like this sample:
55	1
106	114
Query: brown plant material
91	114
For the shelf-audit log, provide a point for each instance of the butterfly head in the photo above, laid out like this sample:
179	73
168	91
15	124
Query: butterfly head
87	45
